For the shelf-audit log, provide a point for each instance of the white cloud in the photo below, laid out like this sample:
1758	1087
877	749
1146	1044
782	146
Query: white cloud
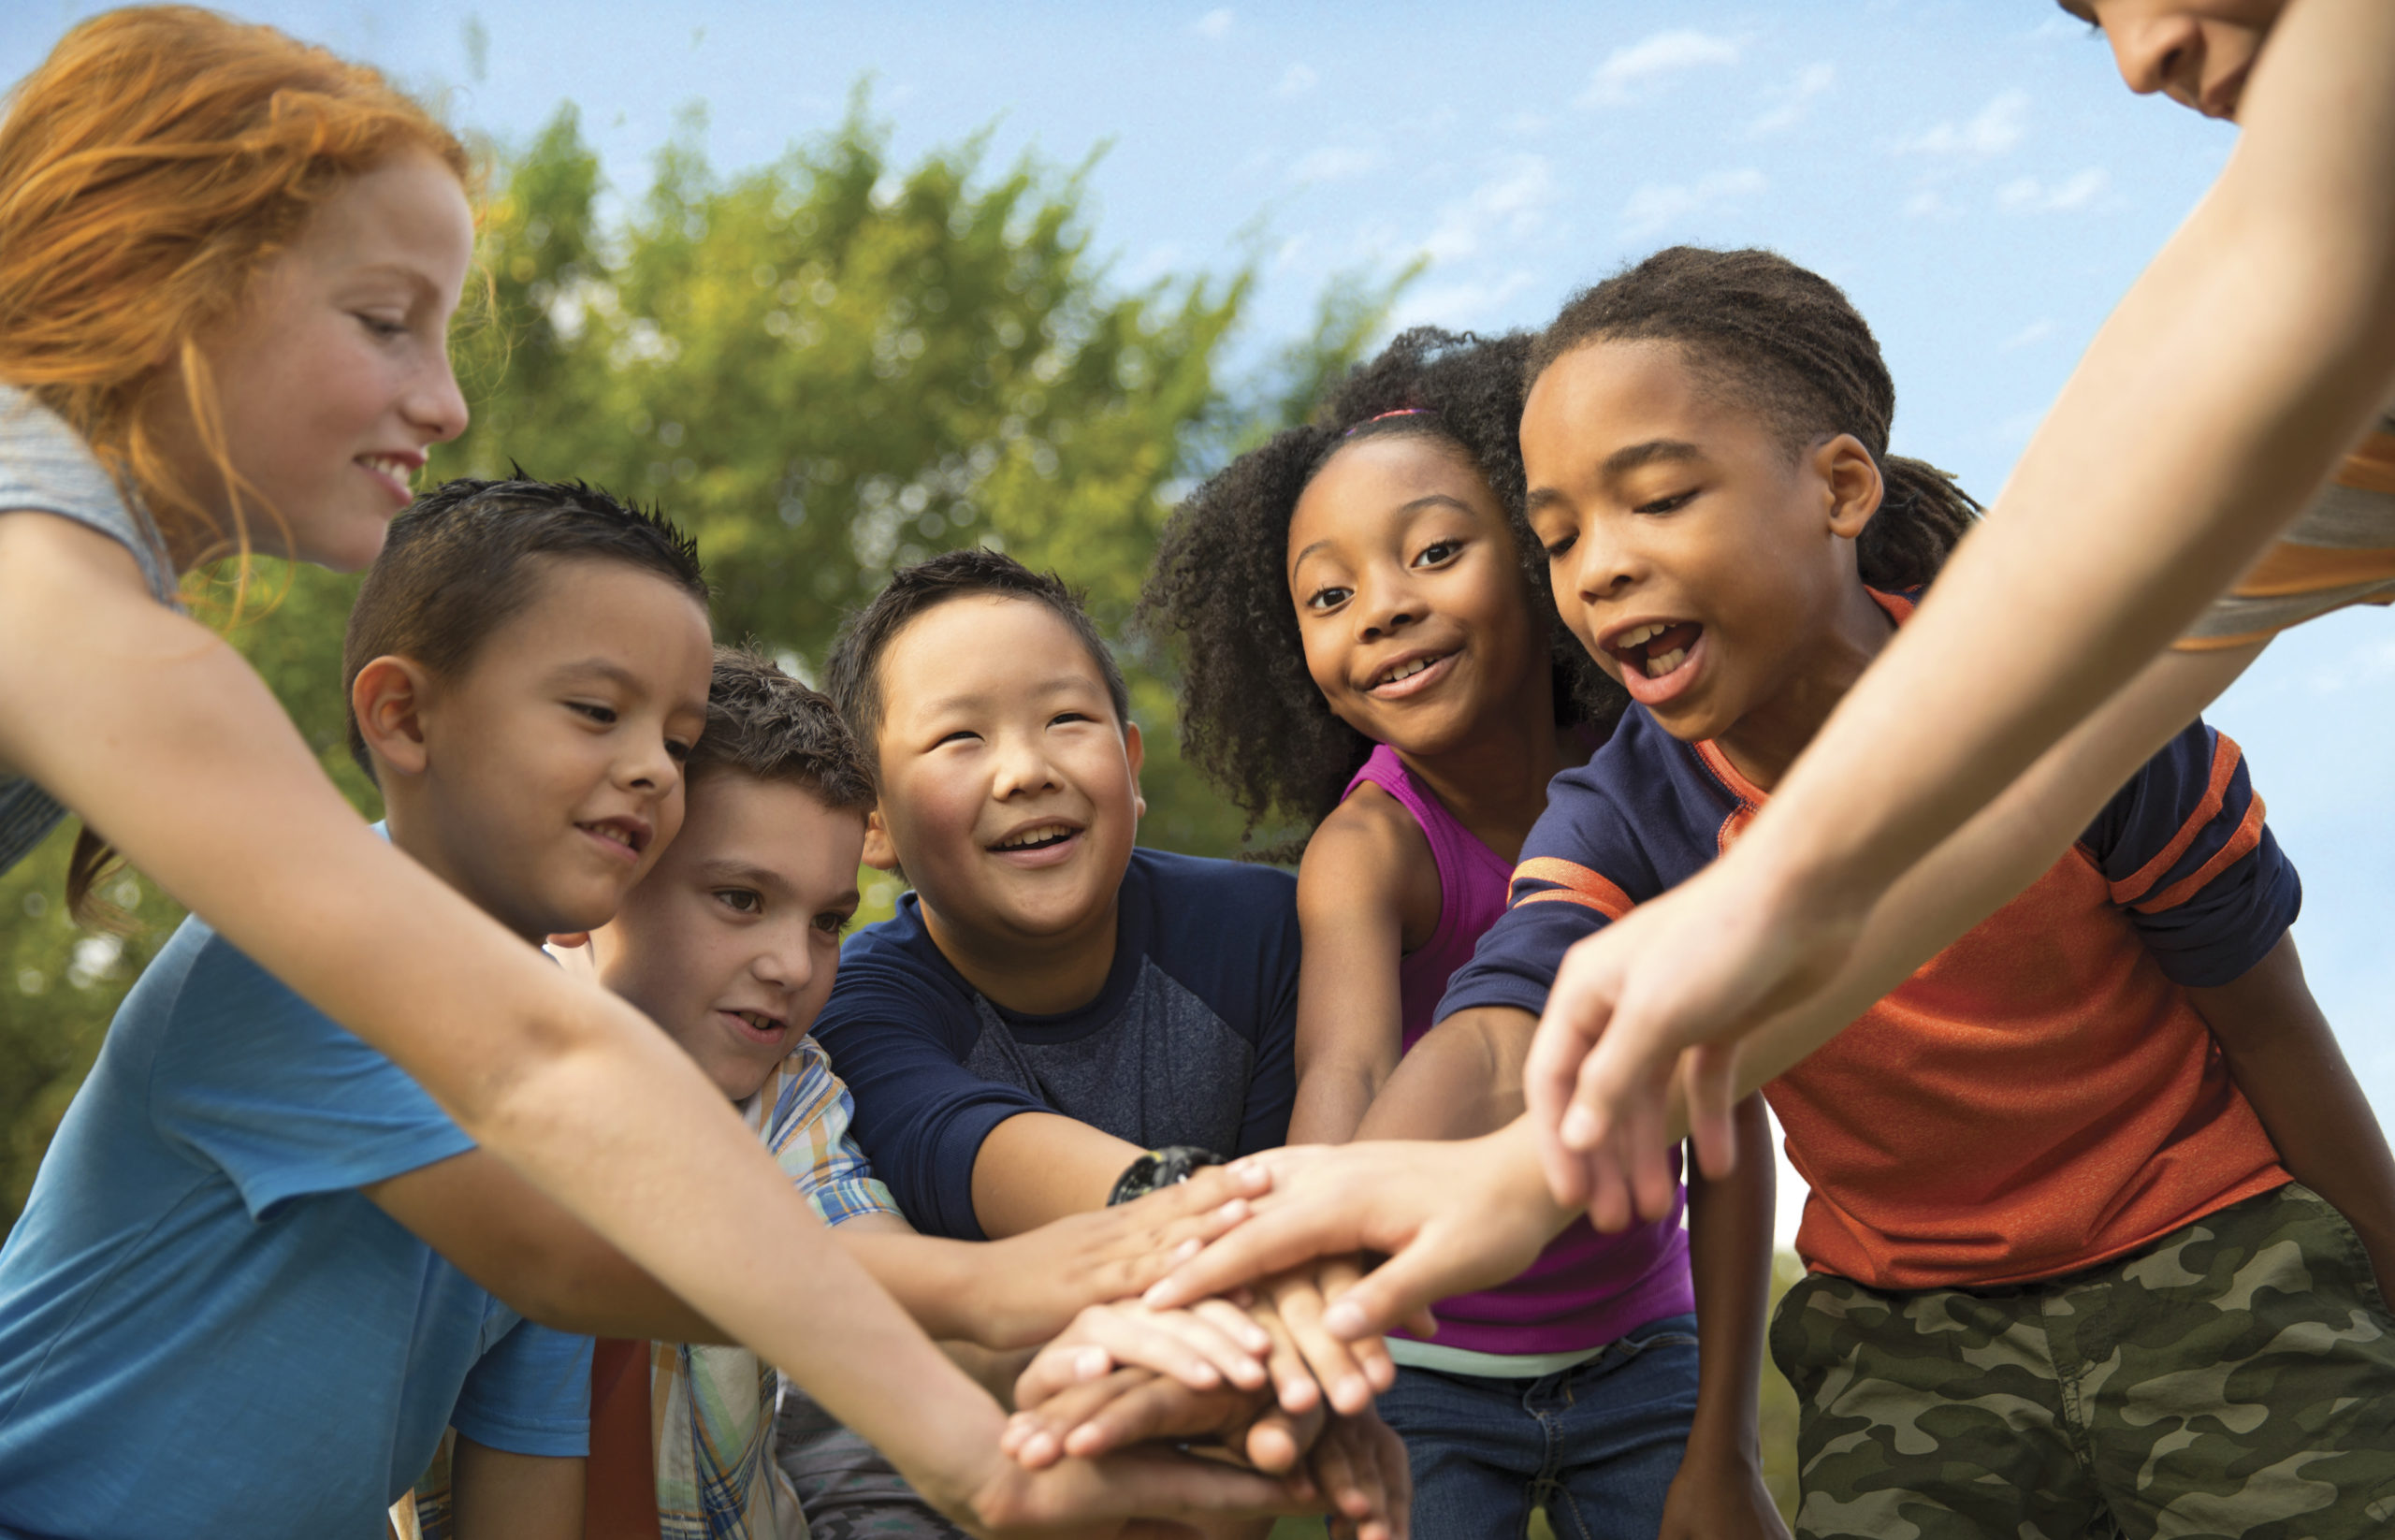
1215	23
1508	207
1794	102
2028	194
2366	664
2035	331
1659	204
1297	82
1998	127
1460	304
1336	162
1629	72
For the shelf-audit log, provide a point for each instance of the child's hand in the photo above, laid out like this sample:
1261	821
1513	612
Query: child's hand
1203	1346
1452	1215
1131	1406
1720	1498
1307	1363
1359	1467
1036	1281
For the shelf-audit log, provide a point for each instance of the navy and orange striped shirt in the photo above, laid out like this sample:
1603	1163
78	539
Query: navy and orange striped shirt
2042	1096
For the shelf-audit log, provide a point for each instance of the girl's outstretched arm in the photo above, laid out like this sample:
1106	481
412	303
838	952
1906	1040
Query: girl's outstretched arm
1357	878
163	739
1718	1492
2212	406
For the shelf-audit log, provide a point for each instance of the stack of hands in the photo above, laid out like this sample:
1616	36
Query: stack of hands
1252	1377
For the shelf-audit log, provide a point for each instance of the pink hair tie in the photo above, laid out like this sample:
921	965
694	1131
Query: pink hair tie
1401	412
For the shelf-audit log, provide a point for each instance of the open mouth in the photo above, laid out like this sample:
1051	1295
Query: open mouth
627	837
758	1025
396	471
1410	674
1038	837
1656	649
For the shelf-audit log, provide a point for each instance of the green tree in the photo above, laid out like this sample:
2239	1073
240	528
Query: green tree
823	368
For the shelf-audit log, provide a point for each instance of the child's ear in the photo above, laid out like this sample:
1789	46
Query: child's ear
1852	479
879	853
388	698
1133	752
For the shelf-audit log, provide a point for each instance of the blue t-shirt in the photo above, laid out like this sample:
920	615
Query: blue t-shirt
1191	1041
205	1330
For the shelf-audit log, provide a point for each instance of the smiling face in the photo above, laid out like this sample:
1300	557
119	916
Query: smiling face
2198	53
1010	792
1410	603
731	942
1701	564
545	778
333	377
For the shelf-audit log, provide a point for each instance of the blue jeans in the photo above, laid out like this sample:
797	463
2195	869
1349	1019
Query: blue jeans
1596	1447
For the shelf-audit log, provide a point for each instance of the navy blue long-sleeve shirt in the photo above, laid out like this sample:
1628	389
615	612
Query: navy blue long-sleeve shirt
1191	1041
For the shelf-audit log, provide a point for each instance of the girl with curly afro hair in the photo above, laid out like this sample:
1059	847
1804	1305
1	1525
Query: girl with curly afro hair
1358	603
1370	651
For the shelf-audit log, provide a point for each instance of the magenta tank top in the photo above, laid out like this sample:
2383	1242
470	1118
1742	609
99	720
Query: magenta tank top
1586	1290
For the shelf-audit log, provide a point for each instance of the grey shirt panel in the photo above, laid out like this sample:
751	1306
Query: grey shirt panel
1166	1070
46	468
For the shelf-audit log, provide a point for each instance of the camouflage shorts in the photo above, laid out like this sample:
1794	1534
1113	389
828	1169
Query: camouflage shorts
2236	1378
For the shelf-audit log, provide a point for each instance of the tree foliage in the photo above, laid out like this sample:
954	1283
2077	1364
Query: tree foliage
824	368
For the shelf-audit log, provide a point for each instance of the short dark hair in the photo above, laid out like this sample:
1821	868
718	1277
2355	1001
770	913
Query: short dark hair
763	724
457	564
1790	343
1252	718
853	676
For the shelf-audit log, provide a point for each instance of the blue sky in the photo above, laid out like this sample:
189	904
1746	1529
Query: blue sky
1970	170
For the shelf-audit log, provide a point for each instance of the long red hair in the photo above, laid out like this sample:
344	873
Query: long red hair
149	169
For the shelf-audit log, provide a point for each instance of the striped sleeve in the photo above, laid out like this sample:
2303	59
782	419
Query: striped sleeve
2192	862
806	1110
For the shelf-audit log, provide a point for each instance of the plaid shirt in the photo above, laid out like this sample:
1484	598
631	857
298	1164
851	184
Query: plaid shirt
713	1407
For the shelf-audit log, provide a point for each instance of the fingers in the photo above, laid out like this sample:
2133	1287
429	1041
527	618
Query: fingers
1361	1468
1399	1291
1202	1349
1035	1436
1334	1278
1709	1081
1297	1298
1293	1383
1277	1442
1274	1240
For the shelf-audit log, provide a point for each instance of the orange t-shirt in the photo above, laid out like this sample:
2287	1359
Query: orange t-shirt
2042	1095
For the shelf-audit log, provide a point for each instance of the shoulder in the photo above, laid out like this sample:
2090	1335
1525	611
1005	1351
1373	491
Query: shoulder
1371	851
892	973
1232	921
47	467
1173	878
1371	834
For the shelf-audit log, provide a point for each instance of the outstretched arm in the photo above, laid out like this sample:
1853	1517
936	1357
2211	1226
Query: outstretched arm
2285	1059
164	740
2208	410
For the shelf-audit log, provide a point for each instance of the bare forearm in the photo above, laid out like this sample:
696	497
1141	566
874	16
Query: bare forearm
1035	1166
501	1496
2209	409
1463	1079
933	1280
2285	1057
1729	1239
1333	1099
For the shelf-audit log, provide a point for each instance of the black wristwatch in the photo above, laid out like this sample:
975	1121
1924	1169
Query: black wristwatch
1169	1167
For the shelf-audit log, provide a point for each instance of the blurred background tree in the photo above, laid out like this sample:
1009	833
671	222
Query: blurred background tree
823	369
